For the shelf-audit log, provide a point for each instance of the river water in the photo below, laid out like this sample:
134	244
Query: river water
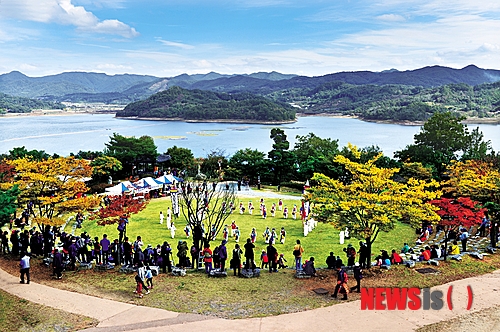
65	134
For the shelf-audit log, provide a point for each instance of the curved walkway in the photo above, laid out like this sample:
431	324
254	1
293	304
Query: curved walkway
118	316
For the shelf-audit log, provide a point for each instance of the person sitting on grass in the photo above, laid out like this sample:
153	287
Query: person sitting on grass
384	258
395	258
331	261
281	262
309	268
454	249
424	255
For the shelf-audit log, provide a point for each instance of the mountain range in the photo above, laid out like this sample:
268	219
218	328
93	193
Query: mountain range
126	88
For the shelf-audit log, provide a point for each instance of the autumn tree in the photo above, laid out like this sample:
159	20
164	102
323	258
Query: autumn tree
55	186
473	178
457	212
479	180
371	201
206	210
105	166
117	210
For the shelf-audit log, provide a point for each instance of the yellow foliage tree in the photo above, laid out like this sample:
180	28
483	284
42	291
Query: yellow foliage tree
480	181
55	187
476	179
371	201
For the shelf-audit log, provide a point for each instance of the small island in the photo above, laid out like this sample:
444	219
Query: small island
206	106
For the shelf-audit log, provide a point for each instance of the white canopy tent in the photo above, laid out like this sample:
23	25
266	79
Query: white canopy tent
120	188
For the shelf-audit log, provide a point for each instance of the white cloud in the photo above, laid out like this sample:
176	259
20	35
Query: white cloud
391	18
175	44
63	12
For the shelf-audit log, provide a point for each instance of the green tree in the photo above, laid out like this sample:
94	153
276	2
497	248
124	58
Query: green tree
105	166
21	152
89	155
441	139
132	152
315	155
8	204
282	160
181	159
248	163
215	164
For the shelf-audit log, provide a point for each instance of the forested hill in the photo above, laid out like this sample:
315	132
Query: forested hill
24	105
395	102
185	104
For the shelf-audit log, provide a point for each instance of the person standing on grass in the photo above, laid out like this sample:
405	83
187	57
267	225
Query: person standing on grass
297	253
5	243
24	266
249	255
57	264
341	284
253	235
282	235
223	255
237	234
207	258
264	260
464	236
169	217
161	217
127	252
165	253
358	275
236	261
141	272
105	248
272	257
149	277
172	230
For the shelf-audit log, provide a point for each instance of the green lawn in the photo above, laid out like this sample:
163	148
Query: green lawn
319	243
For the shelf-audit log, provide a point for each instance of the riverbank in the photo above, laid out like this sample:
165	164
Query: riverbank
53	113
243	121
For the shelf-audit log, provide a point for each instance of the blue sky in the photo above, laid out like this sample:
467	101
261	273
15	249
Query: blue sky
313	37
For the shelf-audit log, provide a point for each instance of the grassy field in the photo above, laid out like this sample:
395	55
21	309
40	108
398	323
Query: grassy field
20	315
323	239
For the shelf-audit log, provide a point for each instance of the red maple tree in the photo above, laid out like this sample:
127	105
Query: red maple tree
456	213
117	209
